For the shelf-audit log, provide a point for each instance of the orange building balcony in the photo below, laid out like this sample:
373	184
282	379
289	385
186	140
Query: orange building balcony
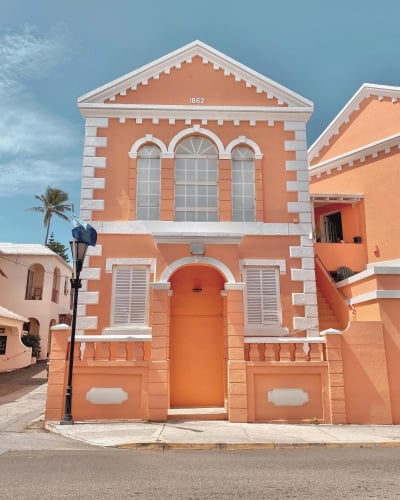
335	255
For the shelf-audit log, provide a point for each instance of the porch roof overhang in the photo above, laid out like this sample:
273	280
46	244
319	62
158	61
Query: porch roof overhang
335	198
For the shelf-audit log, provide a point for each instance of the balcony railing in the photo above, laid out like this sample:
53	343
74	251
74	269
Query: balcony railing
110	347
335	255
281	349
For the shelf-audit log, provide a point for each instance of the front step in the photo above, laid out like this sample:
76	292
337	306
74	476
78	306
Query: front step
214	413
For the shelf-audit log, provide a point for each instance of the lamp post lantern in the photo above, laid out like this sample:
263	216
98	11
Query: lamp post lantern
78	250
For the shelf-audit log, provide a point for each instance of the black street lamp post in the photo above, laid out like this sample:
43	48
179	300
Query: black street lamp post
78	250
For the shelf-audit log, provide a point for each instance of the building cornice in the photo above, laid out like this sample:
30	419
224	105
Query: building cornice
188	232
186	112
387	267
374	295
359	154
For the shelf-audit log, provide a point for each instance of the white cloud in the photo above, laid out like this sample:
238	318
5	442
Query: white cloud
34	175
27	55
36	145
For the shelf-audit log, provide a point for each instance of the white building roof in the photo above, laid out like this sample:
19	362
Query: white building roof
24	249
6	313
30	249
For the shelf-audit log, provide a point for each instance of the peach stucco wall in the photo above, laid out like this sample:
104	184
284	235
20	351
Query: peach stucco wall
119	197
389	311
365	374
263	379
196	79
141	246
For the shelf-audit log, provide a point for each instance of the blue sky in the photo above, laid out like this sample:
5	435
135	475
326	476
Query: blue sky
53	51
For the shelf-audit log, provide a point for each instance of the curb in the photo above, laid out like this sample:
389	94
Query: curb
162	446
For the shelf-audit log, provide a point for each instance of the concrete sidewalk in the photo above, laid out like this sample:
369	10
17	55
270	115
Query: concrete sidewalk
23	398
225	435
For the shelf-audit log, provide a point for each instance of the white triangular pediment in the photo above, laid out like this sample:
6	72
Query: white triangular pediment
344	116
175	59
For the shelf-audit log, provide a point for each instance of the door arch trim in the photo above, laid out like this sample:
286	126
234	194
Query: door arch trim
222	268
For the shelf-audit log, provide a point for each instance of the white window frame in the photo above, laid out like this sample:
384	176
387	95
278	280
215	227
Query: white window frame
242	158
148	161
135	325
191	153
265	327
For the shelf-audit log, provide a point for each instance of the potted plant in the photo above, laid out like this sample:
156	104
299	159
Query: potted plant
32	340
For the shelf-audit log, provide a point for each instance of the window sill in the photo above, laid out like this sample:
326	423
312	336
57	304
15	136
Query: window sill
127	330
265	331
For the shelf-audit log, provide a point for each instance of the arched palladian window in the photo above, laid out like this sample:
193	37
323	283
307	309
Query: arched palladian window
196	180
148	183
243	184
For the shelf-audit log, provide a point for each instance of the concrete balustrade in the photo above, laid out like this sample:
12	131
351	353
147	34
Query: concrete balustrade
285	349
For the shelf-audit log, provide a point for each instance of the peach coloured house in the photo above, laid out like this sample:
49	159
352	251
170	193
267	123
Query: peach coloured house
13	353
354	185
35	284
200	299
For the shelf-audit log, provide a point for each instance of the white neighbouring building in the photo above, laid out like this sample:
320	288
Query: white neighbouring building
35	284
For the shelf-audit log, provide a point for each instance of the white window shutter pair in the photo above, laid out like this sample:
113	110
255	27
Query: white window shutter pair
262	297
130	295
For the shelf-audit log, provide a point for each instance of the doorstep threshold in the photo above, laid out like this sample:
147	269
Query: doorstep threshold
215	410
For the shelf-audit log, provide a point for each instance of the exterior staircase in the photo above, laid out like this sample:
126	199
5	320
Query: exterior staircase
326	315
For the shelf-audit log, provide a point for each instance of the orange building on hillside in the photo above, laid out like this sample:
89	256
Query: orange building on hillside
200	299
354	185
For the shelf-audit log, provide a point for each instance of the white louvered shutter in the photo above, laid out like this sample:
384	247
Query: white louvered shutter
262	297
130	295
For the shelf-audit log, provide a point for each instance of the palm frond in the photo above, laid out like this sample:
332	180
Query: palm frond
53	203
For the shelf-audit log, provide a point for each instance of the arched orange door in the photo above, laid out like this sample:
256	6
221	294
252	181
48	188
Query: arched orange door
196	338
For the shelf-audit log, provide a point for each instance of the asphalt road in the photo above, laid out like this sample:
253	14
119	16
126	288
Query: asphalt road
36	464
17	383
143	474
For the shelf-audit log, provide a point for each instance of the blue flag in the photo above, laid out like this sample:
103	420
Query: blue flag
82	231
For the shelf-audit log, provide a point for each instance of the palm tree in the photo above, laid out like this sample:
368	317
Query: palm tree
53	203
